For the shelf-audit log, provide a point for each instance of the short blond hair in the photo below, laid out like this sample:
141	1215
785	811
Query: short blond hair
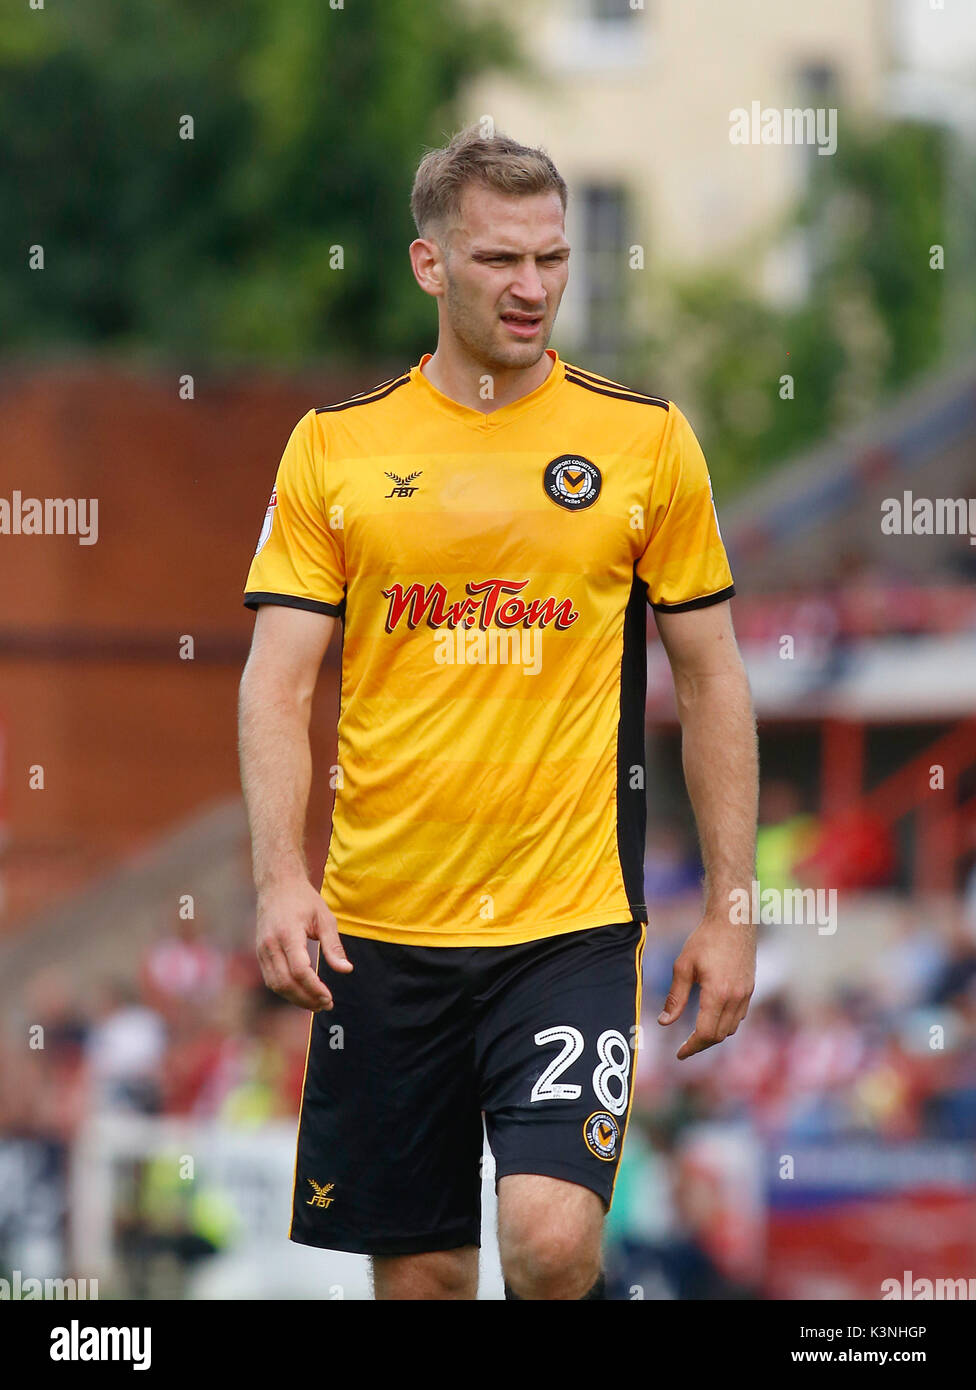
494	161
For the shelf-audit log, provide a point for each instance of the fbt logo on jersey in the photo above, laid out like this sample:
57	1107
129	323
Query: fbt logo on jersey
494	625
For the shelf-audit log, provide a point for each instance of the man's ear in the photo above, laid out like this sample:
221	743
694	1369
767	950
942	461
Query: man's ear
427	260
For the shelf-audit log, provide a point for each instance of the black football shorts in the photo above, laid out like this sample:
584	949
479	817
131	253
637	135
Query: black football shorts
539	1038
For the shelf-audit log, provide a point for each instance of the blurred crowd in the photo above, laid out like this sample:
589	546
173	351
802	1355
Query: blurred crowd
886	1056
196	1033
889	1053
891	1050
860	598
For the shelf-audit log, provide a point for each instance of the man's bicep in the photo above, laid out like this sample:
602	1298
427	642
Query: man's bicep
701	641
289	644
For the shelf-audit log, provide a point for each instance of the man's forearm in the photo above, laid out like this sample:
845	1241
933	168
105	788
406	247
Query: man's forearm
276	774
721	767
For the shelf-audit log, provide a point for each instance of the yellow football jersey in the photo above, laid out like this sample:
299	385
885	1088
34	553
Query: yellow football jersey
492	572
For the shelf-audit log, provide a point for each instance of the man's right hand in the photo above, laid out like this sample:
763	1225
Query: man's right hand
288	916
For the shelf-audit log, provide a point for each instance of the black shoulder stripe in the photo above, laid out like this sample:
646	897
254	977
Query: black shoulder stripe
365	397
608	382
623	395
597	379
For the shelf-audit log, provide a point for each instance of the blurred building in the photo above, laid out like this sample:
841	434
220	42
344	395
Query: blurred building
634	103
856	616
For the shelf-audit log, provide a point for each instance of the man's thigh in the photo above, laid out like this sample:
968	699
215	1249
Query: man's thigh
536	1214
443	1274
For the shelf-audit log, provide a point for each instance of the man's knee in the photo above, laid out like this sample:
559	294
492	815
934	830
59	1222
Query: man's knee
551	1263
436	1274
550	1238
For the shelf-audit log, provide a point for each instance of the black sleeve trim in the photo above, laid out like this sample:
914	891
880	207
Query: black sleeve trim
310	605
705	602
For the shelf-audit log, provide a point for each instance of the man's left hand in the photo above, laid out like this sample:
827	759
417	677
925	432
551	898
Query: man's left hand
720	956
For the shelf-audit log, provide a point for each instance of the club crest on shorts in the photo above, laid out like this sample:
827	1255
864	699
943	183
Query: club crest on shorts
572	482
602	1135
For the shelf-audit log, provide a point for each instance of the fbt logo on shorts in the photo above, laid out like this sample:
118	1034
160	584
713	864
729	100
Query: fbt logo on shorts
495	624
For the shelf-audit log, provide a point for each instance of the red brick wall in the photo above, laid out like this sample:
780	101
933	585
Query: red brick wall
130	737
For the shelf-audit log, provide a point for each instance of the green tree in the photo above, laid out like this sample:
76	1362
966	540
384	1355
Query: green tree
308	122
873	318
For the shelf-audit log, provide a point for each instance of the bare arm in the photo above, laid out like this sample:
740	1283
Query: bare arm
276	772
722	775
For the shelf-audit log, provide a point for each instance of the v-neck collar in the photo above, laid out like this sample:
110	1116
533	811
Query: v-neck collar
489	420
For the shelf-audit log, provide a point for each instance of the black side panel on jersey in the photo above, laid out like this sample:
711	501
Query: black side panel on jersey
631	752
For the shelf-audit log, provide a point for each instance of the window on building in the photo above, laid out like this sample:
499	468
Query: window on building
612	11
817	80
592	35
602	264
790	265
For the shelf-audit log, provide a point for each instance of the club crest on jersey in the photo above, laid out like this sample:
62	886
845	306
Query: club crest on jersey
572	482
602	1135
269	517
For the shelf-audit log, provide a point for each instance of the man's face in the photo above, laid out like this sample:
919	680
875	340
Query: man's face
506	265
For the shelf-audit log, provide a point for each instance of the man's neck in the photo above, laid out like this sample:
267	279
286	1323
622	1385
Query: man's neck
465	381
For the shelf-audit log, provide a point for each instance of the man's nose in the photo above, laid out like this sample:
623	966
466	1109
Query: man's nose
528	286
